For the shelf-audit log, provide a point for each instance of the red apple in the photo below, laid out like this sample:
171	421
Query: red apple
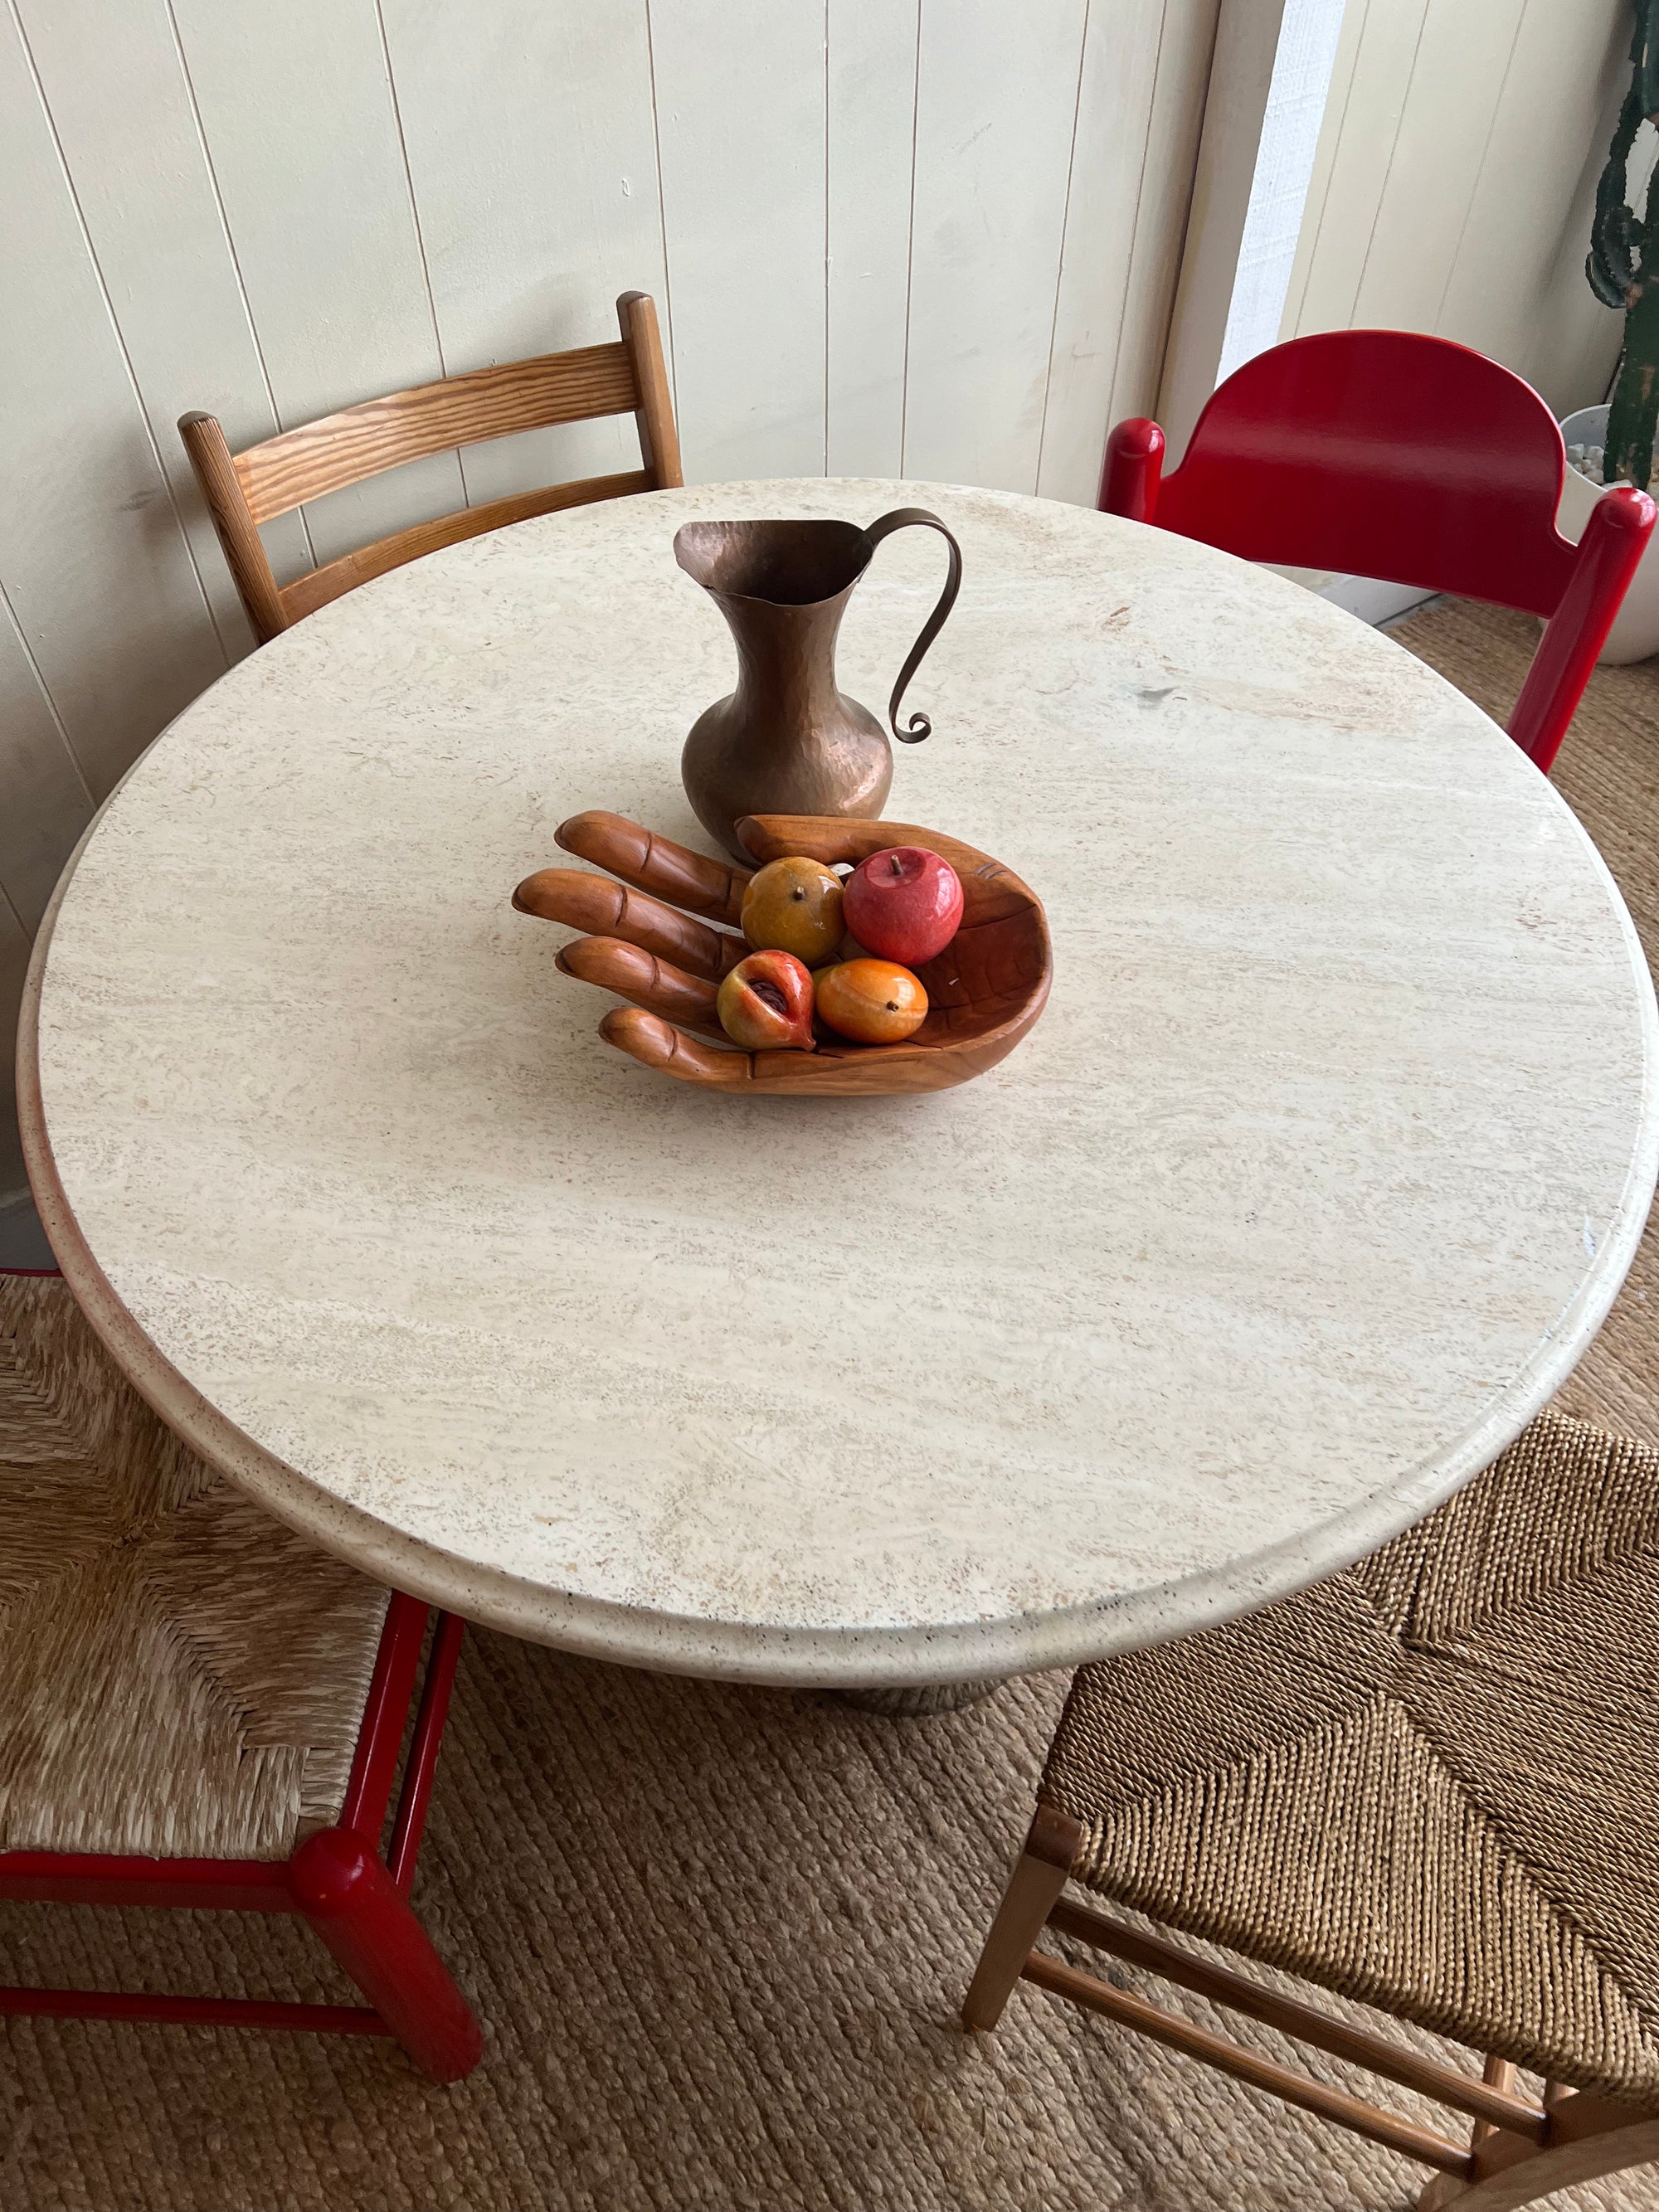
904	904
766	1002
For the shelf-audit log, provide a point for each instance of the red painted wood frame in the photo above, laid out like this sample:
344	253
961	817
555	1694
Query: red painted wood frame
1392	454
357	1902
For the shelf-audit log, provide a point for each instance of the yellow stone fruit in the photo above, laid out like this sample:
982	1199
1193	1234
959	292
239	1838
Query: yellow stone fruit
793	906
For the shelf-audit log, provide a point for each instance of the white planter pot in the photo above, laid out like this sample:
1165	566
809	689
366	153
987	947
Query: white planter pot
1635	633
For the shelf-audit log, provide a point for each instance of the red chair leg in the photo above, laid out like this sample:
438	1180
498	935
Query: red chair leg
346	1893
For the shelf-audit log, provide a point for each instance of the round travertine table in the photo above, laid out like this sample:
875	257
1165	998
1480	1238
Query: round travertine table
1312	1183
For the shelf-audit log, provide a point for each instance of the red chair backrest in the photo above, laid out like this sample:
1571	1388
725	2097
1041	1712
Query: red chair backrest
1387	454
1381	453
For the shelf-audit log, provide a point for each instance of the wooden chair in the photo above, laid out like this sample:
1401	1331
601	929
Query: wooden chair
242	491
1391	454
197	1709
1430	1783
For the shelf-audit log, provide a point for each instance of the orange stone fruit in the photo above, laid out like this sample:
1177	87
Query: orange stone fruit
870	1001
793	906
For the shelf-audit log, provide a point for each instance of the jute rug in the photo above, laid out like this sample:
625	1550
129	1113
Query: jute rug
717	1937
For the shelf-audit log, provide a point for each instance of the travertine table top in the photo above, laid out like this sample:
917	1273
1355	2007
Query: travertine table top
1312	1183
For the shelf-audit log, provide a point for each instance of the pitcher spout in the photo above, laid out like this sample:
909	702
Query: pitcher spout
783	564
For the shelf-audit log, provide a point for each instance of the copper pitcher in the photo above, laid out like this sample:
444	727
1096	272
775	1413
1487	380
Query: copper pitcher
787	741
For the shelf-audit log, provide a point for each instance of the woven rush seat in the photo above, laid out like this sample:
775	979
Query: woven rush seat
1431	1783
181	1675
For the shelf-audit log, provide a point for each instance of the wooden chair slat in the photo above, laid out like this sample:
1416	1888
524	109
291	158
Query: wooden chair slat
315	589
341	449
627	376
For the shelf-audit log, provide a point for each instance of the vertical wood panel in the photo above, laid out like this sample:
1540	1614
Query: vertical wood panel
740	127
996	109
1120	70
1457	86
1460	159
872	111
1185	44
116	87
303	134
1231	149
1291	122
44	804
92	559
1384	60
533	154
1517	287
1319	183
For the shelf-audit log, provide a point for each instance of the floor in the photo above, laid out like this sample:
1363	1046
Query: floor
22	1240
717	1935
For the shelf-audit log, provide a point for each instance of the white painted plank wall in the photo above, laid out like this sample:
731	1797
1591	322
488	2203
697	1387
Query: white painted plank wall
1455	179
934	236
741	134
531	138
1186	44
875	60
986	242
302	129
96	571
133	120
1126	218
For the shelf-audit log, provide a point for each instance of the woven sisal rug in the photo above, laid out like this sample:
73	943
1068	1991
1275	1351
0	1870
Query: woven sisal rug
717	1937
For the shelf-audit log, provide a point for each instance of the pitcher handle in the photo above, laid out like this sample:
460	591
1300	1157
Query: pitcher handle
919	726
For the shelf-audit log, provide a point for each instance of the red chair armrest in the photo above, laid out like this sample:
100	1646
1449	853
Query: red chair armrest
1609	553
1134	470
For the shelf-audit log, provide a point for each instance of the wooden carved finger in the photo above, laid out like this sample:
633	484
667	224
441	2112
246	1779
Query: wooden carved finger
604	908
632	973
674	1051
713	888
987	988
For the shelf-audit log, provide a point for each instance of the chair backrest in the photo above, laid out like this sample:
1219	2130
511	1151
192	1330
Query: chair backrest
1392	454
1382	453
242	491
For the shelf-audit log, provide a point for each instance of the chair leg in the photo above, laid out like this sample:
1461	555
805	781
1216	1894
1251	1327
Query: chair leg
1589	2136
1039	1875
342	1889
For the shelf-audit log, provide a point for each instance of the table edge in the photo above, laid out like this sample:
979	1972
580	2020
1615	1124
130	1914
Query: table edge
809	1658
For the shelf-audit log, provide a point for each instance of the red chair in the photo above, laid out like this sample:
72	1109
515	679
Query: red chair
1389	454
198	1709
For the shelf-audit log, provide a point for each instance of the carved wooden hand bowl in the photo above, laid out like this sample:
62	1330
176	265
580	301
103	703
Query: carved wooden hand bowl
985	990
